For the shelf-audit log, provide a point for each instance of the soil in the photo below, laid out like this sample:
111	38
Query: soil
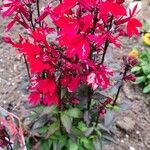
14	83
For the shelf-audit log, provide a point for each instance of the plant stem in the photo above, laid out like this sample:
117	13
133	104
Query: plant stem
90	92
119	89
27	67
107	41
31	16
95	20
38	10
105	50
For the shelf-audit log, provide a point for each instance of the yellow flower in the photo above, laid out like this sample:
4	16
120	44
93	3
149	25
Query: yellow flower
147	38
134	53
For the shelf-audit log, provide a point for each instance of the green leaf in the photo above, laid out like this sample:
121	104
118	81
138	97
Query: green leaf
62	142
124	106
40	122
87	117
77	132
140	79
66	121
82	126
74	112
53	128
109	138
148	76
43	129
97	144
135	69
89	131
48	110
146	69
116	108
109	118
146	89
45	144
72	146
86	143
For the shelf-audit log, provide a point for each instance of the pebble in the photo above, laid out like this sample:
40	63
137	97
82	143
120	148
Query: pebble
122	141
127	124
127	136
131	148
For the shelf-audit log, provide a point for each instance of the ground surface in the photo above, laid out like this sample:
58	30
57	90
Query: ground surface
13	96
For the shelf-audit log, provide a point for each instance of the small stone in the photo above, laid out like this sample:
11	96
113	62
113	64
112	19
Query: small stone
131	148
137	132
127	124
127	136
122	141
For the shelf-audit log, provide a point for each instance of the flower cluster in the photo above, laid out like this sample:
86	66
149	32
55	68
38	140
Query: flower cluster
85	29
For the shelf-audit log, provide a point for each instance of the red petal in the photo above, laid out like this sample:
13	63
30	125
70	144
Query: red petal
49	100
34	98
74	84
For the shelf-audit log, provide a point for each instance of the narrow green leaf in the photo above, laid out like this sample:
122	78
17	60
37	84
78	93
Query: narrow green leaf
74	112
135	69
109	117
66	121
72	146
48	110
53	128
146	89
89	131
45	144
140	79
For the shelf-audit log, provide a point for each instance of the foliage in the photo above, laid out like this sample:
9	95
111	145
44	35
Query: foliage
142	70
69	81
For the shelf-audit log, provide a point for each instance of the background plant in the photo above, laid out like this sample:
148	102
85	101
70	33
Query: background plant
68	73
142	70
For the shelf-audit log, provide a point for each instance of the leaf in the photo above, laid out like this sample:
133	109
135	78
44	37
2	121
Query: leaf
87	118
53	128
124	106
77	132
40	122
146	69
62	143
109	118
89	131
97	144
72	146
48	110
86	143
146	89
140	79
67	122
74	112
109	138
135	69
45	144
82	126
102	127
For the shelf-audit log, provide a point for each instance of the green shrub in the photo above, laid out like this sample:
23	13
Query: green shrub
142	70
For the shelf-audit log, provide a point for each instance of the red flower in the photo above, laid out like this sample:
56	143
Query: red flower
115	9
99	77
51	99
80	46
46	86
130	77
34	98
133	26
74	84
